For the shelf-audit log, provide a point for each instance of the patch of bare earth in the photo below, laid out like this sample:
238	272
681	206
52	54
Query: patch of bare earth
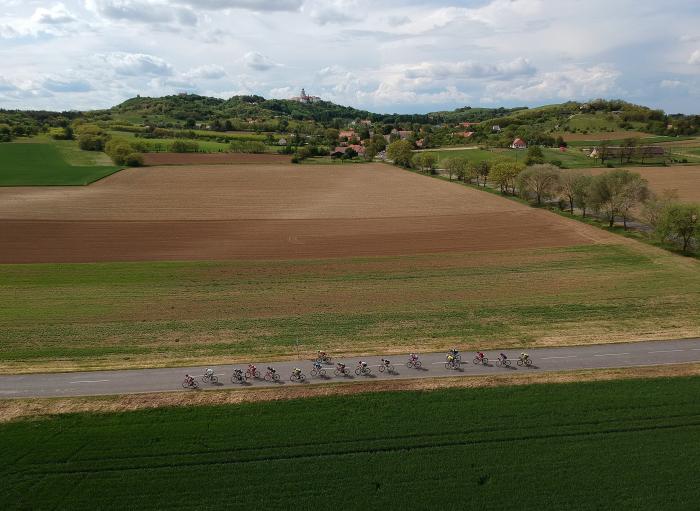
683	179
16	409
269	212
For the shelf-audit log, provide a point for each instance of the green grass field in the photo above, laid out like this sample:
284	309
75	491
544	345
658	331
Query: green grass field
163	144
173	313
587	446
38	164
572	158
476	155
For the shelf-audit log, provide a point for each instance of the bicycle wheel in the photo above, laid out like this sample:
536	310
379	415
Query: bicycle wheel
185	385
358	371
507	363
528	362
214	380
476	360
381	368
276	377
520	361
322	372
448	365
314	372
417	364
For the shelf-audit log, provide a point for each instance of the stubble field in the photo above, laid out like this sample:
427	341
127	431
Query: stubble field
684	180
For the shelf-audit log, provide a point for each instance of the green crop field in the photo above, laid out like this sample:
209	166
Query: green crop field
572	158
172	313
608	445
163	144
477	155
35	164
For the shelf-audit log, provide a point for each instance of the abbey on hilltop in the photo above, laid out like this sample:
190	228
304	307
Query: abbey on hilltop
305	98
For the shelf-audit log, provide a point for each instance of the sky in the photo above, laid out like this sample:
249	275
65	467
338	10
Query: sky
381	55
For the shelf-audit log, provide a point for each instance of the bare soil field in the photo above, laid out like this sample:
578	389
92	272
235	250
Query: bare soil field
212	158
269	212
684	180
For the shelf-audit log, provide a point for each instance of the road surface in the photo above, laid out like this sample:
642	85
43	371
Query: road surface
599	356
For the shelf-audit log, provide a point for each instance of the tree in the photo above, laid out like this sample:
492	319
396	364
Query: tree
571	185
504	174
616	192
456	167
534	155
680	222
582	193
539	180
655	206
425	162
119	149
482	169
400	152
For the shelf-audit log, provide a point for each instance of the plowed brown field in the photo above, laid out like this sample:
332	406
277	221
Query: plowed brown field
268	212
212	158
684	180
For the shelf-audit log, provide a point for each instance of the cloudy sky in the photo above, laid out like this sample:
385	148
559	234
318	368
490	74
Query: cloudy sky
381	55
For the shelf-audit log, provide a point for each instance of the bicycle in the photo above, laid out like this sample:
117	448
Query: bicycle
413	364
482	360
452	364
324	359
500	362
272	376
388	368
457	358
252	372
238	377
524	361
344	371
320	372
298	377
210	378
190	383
362	371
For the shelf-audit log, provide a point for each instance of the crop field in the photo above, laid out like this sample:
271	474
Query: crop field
158	145
684	180
475	155
213	158
611	445
109	315
269	212
44	164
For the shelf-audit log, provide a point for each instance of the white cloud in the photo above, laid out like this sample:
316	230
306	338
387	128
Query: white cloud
670	84
568	83
143	11
252	5
470	69
334	11
694	57
258	62
56	15
208	72
134	64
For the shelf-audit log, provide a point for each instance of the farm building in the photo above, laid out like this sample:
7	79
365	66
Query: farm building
518	143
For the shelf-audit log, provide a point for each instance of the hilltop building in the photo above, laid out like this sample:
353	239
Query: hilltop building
303	97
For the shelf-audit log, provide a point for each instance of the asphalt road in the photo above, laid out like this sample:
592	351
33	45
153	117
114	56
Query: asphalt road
599	356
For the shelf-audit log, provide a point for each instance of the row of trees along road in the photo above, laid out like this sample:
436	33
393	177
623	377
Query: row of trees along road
612	195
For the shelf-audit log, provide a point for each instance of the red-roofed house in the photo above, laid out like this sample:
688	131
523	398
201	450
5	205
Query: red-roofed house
518	143
347	134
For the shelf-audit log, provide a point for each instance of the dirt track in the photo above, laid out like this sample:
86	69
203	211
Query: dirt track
268	212
212	158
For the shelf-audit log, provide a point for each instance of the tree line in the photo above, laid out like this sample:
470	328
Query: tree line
611	195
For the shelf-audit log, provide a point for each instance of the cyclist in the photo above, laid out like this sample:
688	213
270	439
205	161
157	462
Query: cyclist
189	380
413	357
252	368
362	364
450	358
340	367
238	373
295	372
322	355
317	365
503	357
480	355
454	352
271	370
524	357
386	363
209	373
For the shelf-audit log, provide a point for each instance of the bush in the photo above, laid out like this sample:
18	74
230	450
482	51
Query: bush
557	163
119	149
246	146
184	146
134	160
92	142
